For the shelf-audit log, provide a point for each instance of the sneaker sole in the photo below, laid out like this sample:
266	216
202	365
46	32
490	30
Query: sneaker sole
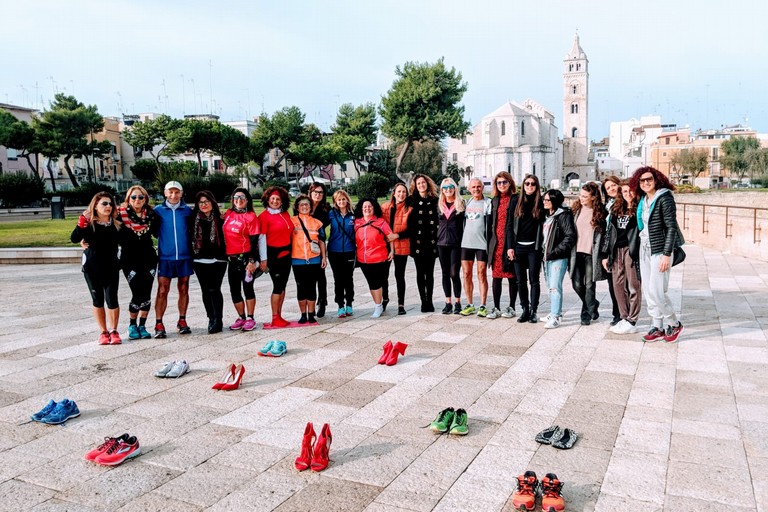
62	421
458	433
160	335
177	376
437	430
116	463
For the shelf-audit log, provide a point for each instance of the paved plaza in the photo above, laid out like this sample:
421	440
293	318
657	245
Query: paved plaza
663	427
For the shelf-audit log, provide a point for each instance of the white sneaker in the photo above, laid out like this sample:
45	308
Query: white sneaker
508	313
179	369
167	367
553	322
493	313
631	329
377	311
619	327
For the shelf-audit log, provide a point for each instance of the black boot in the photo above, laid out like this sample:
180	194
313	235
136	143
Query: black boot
534	318
321	309
215	325
525	316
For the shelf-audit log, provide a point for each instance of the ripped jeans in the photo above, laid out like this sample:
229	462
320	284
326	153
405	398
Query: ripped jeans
554	273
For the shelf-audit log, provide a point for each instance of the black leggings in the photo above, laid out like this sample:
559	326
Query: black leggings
279	268
140	281
236	278
376	274
322	287
306	281
210	277
450	264
496	285
400	262
425	277
103	287
343	267
528	259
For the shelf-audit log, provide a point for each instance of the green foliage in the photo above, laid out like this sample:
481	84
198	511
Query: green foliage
734	154
687	189
372	185
232	145
20	189
423	104
282	131
316	148
82	194
382	162
146	135
277	182
18	134
37	233
757	163
185	172
221	185
692	162
145	170
354	132
426	158
195	136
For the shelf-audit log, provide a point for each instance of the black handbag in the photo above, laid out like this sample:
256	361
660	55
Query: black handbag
678	256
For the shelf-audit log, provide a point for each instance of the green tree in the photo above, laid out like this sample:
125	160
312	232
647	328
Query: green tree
425	157
734	151
382	162
692	162
195	136
152	133
423	104
19	135
757	162
146	169
283	131
354	132
232	145
63	130
372	185
316	149
20	189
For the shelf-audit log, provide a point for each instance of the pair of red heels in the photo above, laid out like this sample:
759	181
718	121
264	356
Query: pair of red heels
231	378
314	454
391	352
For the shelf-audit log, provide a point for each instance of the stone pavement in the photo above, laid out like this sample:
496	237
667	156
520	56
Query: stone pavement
664	427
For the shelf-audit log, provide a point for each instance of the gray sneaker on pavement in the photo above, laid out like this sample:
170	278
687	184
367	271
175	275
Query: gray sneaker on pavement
163	372
493	313
179	369
508	313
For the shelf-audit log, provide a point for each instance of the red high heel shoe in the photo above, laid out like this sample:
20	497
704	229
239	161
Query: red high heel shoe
387	350
234	383
323	445
229	374
398	348
304	460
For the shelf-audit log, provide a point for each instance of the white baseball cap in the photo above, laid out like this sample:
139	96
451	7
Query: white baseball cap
174	184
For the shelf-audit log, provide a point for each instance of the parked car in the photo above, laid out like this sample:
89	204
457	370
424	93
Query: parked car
294	191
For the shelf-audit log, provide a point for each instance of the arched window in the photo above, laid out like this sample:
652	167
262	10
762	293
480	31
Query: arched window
534	170
573	89
503	128
574	108
570	67
574	132
509	168
522	128
578	67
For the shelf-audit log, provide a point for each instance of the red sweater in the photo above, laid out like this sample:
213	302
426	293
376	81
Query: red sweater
238	229
371	240
278	227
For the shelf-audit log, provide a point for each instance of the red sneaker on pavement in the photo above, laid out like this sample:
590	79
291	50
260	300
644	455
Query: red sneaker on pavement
551	496
103	447
278	321
524	497
672	333
114	338
182	326
120	451
104	338
654	334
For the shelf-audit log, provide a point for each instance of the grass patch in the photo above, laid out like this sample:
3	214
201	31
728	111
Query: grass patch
37	233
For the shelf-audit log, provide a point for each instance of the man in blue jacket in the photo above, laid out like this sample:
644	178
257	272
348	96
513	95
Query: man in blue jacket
174	249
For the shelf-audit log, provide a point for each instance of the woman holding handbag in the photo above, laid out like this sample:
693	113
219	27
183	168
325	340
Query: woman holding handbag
308	256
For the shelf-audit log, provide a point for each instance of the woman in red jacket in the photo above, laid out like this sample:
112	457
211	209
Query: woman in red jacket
373	249
277	226
395	212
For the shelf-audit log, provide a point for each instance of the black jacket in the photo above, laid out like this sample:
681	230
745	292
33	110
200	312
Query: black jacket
562	237
512	230
663	231
101	255
422	225
492	240
611	235
451	229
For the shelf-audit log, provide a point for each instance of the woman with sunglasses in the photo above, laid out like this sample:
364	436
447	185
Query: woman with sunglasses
611	193
559	239
277	227
138	257
586	267
524	243
308	256
244	249
395	213
659	237
502	214
422	225
210	256
341	252
98	227
320	211
620	258
450	230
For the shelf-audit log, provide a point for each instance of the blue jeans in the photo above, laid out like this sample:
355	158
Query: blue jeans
554	272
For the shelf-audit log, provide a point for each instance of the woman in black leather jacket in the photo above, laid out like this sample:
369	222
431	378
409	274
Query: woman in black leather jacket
586	269
620	257
559	238
659	237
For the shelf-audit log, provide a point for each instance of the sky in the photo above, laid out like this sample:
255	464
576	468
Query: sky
699	64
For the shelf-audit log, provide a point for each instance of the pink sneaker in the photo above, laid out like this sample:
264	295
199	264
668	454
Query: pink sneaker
249	325
104	338
114	338
239	323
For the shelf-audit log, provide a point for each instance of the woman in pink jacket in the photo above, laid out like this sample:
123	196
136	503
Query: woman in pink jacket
373	249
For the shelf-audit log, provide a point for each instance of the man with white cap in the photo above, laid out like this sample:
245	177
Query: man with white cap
174	249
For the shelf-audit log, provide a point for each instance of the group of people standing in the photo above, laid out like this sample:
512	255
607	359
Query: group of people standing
623	231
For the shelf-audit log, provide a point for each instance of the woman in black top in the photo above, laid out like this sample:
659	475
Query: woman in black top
450	229
524	246
320	211
559	239
138	257
210	256
97	229
611	192
422	225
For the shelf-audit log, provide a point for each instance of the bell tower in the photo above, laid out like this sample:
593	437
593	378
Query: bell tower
575	108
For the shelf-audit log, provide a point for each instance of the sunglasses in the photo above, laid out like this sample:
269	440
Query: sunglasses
502	182
448	187
530	183
139	197
106	203
646	180
204	202
239	198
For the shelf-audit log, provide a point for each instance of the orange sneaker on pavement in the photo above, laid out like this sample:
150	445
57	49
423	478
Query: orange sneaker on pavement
524	497
114	338
104	338
551	496
108	443
120	451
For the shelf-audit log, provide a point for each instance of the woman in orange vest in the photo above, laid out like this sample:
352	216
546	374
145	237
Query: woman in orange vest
373	249
395	212
307	256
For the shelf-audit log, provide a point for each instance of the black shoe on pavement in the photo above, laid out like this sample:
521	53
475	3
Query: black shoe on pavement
457	308
447	309
534	318
525	316
320	310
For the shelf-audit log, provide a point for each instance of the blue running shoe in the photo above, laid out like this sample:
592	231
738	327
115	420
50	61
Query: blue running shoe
133	332
278	349
144	333
45	411
349	311
64	410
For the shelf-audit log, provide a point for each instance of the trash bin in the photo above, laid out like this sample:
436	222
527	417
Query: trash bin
57	207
